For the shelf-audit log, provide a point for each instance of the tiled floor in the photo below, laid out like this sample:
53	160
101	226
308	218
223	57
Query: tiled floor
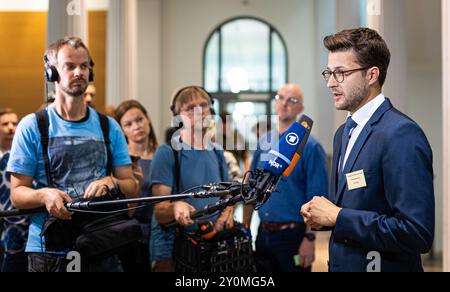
320	264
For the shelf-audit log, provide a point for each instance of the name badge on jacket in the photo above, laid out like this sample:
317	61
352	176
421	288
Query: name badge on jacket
356	180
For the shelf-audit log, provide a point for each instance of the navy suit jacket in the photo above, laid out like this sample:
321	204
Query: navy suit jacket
394	215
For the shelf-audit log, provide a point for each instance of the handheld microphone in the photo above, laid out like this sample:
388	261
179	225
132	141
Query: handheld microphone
307	124
280	163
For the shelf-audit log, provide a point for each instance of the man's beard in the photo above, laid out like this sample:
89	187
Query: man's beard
355	98
75	91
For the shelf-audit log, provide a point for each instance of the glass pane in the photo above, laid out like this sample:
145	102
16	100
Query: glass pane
216	105
245	56
212	64
245	117
279	63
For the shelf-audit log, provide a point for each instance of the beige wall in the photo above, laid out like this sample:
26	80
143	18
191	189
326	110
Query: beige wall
186	26
21	74
446	127
424	87
23	35
97	47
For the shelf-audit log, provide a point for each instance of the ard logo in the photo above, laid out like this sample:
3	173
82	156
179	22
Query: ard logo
292	139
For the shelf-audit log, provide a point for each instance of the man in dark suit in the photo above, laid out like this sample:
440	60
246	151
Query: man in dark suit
381	207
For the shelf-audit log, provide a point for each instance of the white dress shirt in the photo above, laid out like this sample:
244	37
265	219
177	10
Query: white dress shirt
361	117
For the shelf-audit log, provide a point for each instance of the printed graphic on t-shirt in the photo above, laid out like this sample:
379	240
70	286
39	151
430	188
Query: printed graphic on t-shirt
76	162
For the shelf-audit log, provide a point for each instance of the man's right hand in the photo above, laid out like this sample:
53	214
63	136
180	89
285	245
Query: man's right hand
54	201
182	212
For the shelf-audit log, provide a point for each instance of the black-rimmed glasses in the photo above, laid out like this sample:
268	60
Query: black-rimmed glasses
339	75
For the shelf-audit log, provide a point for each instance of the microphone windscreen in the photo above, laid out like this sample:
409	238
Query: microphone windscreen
280	157
307	123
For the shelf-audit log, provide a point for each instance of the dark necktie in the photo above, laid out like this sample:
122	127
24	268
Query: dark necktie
350	124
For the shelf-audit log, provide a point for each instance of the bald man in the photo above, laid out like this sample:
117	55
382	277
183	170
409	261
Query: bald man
284	241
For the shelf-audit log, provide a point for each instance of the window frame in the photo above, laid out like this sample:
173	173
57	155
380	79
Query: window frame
225	97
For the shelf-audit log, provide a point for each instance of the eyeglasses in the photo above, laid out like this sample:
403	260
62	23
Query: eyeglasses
291	100
339	75
191	108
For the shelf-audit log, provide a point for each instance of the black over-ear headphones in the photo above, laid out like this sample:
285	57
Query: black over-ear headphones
52	75
179	92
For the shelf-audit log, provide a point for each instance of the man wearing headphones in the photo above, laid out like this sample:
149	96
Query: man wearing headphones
188	162
76	154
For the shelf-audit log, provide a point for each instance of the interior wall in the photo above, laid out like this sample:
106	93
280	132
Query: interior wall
21	75
331	16
348	15
424	88
325	25
22	80
186	26
446	128
97	47
150	62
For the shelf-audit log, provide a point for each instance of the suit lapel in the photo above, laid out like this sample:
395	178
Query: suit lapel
335	173
352	159
357	147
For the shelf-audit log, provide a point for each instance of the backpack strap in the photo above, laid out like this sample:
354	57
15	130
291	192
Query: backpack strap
43	124
176	169
104	123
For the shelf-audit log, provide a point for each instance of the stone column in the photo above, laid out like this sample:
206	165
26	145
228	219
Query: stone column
67	18
348	15
389	19
150	62
121	68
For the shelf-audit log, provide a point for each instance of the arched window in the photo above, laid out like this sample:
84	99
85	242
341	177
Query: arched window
245	60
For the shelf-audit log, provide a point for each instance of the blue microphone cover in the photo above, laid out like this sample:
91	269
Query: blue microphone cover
280	157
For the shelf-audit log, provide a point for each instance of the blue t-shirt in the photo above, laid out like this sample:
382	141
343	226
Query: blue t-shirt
308	179
77	154
15	229
197	167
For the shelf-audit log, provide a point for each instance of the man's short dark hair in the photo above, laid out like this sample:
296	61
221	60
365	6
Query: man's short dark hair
370	48
5	111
